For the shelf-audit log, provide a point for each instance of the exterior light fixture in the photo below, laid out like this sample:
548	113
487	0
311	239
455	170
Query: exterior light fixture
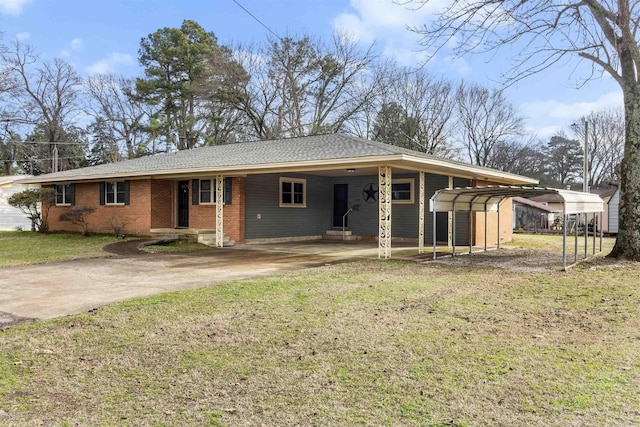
351	170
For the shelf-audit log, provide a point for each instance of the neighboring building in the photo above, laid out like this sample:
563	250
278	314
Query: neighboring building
530	215
612	210
610	196
285	189
10	217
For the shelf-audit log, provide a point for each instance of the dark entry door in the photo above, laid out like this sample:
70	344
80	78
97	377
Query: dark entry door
340	203
183	204
442	227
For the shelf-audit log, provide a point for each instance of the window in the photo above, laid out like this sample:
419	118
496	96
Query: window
402	191
293	193
65	194
114	193
204	191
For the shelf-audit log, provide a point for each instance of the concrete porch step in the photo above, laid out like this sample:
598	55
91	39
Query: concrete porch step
336	232
209	239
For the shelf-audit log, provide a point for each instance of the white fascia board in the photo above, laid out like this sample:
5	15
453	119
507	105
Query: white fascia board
472	171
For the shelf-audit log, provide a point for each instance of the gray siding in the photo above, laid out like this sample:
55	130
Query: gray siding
432	183
462	218
262	198
364	221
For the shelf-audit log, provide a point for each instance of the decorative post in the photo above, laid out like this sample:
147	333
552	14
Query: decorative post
450	217
384	212
219	211
421	215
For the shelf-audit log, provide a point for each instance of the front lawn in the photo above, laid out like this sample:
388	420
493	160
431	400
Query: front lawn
26	247
363	343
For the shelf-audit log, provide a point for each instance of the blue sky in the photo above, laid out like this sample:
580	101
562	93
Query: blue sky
104	36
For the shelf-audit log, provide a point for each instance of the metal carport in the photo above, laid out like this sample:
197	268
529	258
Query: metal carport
488	199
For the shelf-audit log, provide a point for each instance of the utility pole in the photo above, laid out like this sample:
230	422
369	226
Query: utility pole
585	179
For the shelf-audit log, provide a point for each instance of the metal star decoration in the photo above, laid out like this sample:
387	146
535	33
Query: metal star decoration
370	193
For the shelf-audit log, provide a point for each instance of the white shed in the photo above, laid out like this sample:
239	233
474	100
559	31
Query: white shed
10	217
612	208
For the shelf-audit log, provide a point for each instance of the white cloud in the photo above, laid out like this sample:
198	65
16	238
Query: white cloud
74	46
547	117
109	64
386	22
460	65
77	45
13	7
22	37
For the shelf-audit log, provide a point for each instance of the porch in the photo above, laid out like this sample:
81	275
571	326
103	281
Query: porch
193	235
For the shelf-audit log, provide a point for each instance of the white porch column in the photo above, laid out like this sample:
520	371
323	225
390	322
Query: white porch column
421	216
219	211
384	212
450	216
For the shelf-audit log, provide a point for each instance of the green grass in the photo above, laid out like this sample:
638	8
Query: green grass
363	343
26	247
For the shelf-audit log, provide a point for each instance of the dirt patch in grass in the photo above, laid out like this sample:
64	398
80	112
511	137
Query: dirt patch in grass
368	342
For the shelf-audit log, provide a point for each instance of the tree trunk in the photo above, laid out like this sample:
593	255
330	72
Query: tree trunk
628	242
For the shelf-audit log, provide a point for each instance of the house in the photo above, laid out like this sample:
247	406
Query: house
10	217
531	215
285	189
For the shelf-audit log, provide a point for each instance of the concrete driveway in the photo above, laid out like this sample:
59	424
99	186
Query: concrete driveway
57	289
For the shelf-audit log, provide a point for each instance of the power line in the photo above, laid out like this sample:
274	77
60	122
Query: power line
256	18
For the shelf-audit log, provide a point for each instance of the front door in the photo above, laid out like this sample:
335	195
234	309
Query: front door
340	203
183	204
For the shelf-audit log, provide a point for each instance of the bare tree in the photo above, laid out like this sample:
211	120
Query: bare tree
519	157
44	95
417	112
111	99
301	86
486	118
606	144
602	32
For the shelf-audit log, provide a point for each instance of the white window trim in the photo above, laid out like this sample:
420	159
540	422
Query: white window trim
304	192
64	195
410	181
212	182
115	194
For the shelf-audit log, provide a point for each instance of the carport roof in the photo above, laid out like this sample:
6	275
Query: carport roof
311	153
480	199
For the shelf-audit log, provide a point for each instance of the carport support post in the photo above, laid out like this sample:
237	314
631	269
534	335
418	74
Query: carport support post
485	226
453	229
601	230
500	201
219	211
575	254
434	231
595	232
421	219
384	212
471	225
564	236
586	235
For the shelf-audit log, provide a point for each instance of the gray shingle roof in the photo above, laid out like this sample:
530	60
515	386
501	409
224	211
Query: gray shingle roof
272	152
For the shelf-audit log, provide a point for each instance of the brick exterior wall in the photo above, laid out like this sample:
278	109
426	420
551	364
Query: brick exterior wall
163	210
152	205
135	216
506	224
204	216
